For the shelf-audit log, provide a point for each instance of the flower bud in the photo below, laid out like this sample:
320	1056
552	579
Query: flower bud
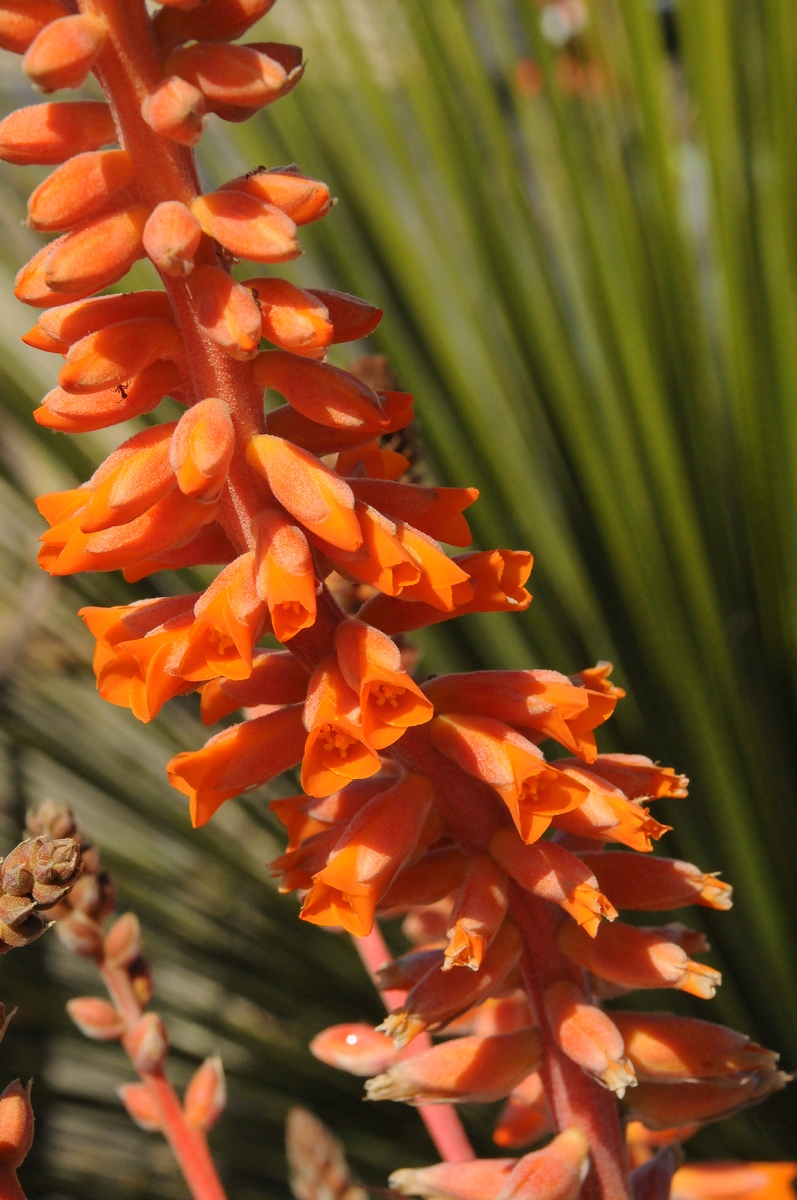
176	110
63	53
241	77
663	1046
141	1106
206	1095
15	909
665	1105
97	253
81	935
525	1117
555	1173
215	20
171	238
16	1124
201	449
96	1018
358	1049
84	412
293	319
54	860
23	932
479	909
78	189
22	20
656	883
50	133
478	1179
588	1036
247	227
147	1045
113	356
325	394
351	317
17	872
226	311
472	1070
123	942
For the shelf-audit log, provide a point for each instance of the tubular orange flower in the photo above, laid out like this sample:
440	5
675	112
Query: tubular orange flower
292	319
381	561
276	678
390	701
336	749
320	392
664	1047
79	188
230	618
587	1035
472	1070
607	815
638	777
479	910
201	449
481	1179
237	760
661	1105
532	790
553	873
300	198
735	1181
50	133
656	883
370	853
285	575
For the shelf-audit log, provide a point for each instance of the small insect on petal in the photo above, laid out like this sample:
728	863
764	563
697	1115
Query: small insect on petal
226	311
201	449
22	20
358	1049
63	53
70	413
300	198
114	355
171	238
247	227
97	253
50	133
79	188
176	110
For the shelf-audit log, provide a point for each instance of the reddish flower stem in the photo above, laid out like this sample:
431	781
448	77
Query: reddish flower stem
188	1144
441	1120
9	1185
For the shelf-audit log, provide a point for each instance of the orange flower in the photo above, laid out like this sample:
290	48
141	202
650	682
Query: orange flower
201	449
663	1105
336	750
285	574
276	678
314	495
50	133
551	872
370	853
79	188
607	815
472	1070
438	873
656	883
638	777
477	1179
666	1048
64	51
588	1036
244	225
441	996
437	512
130	481
287	423
443	583
735	1181
172	236
496	581
71	413
358	1049
597	680
638	958
479	910
541	700
230	619
381	561
373	460
525	1118
532	790
322	393
237	760
390	701
226	311
302	199
292	319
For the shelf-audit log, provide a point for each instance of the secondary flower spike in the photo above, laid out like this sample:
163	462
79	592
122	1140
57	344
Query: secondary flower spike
441	803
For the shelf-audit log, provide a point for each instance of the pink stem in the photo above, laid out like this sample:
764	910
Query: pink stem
441	1120
188	1144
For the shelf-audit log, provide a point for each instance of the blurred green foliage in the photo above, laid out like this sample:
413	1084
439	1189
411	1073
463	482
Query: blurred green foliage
587	267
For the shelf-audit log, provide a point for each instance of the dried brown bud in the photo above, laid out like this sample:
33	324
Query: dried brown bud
52	820
17	876
123	943
147	1045
317	1166
81	935
54	861
47	895
206	1095
86	895
24	933
141	1106
96	1018
14	909
16	1124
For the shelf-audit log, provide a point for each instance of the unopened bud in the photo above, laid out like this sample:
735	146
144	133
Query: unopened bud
479	1179
22	20
123	942
54	861
358	1049
226	311
555	1173
15	909
51	820
176	110
17	874
206	1095
81	935
16	1124
50	133
96	1018
62	55
147	1045
171	238
247	227
588	1036
141	1106
24	932
202	448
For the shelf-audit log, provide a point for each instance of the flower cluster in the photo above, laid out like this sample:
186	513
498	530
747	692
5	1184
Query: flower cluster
426	799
